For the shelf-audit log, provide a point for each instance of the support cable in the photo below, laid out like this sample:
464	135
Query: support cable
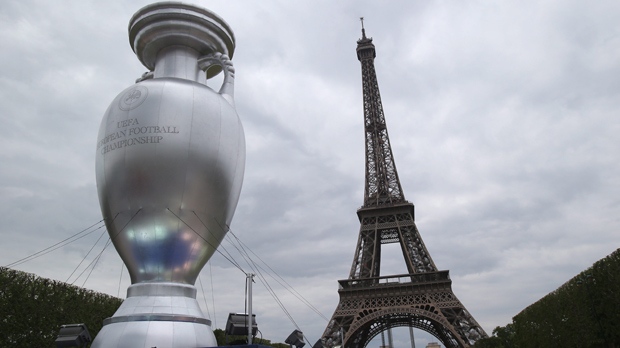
89	265
203	296
97	261
263	280
110	239
57	245
206	241
85	256
84	270
212	295
121	230
212	235
288	286
257	269
118	293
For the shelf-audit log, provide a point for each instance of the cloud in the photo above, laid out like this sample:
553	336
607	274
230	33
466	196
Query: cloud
502	120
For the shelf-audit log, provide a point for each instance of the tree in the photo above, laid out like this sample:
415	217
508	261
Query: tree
503	337
32	309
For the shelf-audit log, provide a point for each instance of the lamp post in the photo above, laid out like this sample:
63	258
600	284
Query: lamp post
250	277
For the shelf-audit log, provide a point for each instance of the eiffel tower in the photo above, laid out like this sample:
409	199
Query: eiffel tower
370	303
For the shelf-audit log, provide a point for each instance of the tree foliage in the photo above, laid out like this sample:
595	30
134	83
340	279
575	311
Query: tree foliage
584	312
32	309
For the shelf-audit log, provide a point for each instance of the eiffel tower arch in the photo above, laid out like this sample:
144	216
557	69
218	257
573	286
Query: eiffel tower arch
422	298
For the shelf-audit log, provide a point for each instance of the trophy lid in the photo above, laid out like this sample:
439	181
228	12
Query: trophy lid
164	24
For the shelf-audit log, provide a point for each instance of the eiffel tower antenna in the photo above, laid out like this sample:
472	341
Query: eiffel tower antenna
363	30
422	298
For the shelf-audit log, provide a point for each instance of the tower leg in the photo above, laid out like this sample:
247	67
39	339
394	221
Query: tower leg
423	301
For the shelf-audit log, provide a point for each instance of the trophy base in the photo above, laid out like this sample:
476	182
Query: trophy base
162	315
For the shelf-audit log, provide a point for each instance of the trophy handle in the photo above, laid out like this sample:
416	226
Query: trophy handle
227	90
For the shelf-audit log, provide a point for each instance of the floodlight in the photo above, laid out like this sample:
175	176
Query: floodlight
319	344
73	335
296	338
237	324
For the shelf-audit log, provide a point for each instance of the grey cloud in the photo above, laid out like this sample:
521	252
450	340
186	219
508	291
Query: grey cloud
502	119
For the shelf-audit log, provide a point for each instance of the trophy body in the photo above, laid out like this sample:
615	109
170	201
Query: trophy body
169	164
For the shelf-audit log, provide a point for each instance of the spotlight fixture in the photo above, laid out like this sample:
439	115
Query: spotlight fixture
296	338
73	335
237	324
319	344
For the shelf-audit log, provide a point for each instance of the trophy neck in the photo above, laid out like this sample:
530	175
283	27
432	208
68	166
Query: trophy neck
157	27
177	61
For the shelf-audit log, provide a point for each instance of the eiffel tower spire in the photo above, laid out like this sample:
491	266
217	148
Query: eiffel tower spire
383	190
370	302
382	183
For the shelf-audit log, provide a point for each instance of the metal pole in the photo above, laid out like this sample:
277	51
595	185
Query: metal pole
250	280
411	335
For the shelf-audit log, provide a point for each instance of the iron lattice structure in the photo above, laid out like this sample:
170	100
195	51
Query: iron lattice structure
370	303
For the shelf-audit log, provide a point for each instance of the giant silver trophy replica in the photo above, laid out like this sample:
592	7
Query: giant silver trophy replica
170	163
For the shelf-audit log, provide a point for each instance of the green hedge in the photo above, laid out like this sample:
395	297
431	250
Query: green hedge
582	313
33	308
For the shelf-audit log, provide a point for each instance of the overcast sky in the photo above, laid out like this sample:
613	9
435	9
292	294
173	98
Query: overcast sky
503	118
